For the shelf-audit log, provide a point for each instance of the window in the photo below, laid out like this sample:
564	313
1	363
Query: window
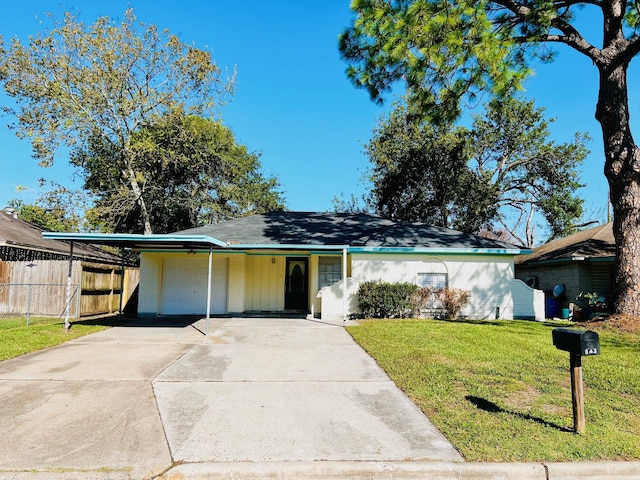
329	271
434	281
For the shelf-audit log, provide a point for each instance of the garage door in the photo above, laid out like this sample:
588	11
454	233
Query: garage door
184	286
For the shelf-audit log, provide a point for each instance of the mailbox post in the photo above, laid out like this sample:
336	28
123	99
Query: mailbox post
577	393
578	343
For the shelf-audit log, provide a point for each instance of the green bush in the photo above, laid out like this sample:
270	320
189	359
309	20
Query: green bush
386	300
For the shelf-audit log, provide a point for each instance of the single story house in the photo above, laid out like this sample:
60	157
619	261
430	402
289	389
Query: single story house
34	273
312	264
583	262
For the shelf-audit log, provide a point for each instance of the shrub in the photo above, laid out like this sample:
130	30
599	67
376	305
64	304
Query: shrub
386	300
443	303
453	300
424	303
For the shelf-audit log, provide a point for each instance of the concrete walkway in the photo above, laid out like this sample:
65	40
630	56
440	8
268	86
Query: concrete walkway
257	398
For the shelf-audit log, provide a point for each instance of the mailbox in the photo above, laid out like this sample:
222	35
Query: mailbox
577	342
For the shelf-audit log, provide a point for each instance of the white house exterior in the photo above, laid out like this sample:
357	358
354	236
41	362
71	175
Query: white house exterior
489	278
312	263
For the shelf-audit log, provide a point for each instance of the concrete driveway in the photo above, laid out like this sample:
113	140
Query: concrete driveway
145	400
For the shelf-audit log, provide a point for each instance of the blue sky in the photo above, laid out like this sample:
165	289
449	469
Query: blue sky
293	102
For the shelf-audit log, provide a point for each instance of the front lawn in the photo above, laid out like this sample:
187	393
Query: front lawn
500	390
16	338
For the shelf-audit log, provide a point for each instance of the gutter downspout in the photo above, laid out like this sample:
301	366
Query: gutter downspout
67	325
344	286
209	290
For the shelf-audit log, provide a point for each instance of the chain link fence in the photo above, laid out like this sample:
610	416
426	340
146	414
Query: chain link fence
38	300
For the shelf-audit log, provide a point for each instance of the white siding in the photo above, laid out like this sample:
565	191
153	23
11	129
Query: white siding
265	283
149	290
219	285
237	275
256	282
523	306
487	277
176	284
314	301
332	303
184	286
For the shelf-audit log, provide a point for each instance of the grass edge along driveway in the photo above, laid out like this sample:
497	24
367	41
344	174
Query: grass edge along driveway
500	390
18	338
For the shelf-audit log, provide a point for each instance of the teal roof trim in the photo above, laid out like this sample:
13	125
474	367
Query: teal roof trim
191	242
284	246
405	250
135	239
438	251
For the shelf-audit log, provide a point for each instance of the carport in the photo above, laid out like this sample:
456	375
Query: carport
180	243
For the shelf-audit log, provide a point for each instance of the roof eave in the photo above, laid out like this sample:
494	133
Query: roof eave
560	260
441	250
134	239
190	241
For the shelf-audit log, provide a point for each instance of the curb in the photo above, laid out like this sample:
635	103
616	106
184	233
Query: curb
405	470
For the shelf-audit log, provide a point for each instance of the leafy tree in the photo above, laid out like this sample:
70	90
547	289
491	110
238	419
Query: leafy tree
419	173
76	83
54	211
449	50
493	177
527	172
190	171
353	204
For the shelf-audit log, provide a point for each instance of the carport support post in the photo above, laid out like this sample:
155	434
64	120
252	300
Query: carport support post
209	290
68	302
344	286
577	395
121	287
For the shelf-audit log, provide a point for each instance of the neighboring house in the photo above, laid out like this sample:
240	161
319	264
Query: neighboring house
312	264
34	273
583	262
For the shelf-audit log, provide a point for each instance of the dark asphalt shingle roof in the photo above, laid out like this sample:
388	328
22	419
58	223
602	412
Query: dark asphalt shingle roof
17	233
597	242
353	229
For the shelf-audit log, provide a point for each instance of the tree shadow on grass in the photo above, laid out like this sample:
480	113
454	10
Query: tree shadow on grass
488	406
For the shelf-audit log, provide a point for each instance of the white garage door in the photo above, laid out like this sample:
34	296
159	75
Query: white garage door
184	286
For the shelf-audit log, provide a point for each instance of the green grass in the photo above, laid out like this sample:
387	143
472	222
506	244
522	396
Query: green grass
16	338
500	391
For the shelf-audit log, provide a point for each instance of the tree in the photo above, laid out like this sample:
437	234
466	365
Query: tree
353	204
419	173
76	83
190	171
493	177
527	172
56	210
51	220
449	50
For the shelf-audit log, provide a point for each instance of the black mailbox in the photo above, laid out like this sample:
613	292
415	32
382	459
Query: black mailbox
578	342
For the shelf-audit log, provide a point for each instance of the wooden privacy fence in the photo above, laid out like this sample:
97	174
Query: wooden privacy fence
39	288
102	287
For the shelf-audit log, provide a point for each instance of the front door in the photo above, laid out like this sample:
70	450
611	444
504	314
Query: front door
296	288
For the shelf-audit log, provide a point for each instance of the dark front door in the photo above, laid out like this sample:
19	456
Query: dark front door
296	289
